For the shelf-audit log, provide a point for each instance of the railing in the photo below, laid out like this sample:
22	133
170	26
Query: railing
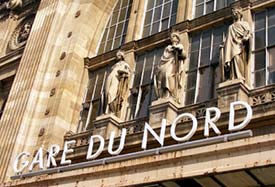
198	109
82	139
135	126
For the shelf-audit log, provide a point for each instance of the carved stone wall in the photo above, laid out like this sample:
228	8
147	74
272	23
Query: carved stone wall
46	98
20	34
15	24
50	49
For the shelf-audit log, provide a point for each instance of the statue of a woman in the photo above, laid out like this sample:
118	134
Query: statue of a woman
117	85
170	72
236	48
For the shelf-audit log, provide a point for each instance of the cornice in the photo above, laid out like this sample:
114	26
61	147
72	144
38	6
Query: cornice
12	56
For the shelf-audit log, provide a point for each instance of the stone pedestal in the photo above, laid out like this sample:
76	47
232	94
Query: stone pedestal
163	108
105	124
230	91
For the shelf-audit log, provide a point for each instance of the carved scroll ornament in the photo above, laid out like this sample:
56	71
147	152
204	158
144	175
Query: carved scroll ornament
20	34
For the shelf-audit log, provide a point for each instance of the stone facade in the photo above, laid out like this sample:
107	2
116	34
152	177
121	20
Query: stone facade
50	68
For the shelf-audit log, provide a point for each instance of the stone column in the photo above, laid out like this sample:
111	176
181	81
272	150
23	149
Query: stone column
21	90
49	86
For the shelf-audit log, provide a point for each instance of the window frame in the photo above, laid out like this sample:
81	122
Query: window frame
152	22
200	66
204	3
264	49
85	126
134	115
105	39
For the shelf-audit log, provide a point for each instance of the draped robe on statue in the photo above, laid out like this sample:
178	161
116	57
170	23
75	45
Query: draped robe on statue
116	85
236	49
168	71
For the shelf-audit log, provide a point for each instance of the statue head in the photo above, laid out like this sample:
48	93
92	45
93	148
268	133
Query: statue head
120	55
237	13
175	37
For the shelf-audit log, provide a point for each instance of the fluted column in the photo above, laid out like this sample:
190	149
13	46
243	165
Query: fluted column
46	96
20	92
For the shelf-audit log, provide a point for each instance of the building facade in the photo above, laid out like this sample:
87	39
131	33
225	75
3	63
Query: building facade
79	76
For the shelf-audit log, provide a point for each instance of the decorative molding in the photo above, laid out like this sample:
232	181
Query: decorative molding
20	34
263	95
16	8
14	54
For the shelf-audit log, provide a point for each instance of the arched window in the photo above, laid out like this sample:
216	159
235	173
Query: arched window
160	15
115	31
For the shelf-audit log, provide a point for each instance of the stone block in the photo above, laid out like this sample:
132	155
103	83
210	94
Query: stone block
105	124
230	91
162	108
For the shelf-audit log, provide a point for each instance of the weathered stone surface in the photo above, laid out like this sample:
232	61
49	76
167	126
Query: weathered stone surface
75	28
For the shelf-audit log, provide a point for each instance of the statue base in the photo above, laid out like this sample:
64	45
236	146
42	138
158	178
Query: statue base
163	108
105	124
230	91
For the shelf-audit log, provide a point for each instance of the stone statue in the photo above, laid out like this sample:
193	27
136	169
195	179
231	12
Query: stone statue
117	85
236	50
170	72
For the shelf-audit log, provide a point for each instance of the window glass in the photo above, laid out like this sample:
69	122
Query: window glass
203	7
191	87
203	72
209	6
195	44
206	81
205	48
143	88
217	40
264	41
116	28
92	106
271	67
260	60
160	15
260	78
